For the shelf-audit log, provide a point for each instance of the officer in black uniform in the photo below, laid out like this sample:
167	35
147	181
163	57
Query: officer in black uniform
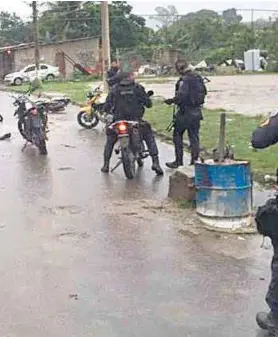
127	100
190	92
267	218
269	321
267	133
113	70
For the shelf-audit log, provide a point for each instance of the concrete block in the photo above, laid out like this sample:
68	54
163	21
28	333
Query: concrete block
181	184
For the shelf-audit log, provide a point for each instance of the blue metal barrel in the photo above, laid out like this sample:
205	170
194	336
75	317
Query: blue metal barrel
224	194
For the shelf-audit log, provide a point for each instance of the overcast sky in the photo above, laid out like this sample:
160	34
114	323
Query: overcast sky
183	7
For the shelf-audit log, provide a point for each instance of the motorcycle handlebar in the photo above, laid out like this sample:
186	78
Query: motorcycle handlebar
206	80
23	96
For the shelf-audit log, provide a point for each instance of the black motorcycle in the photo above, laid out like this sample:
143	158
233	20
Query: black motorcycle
53	104
32	122
132	149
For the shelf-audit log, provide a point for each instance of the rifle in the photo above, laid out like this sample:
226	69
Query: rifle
172	123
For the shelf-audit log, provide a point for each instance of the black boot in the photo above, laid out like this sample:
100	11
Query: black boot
268	322
156	166
192	162
174	165
105	167
108	150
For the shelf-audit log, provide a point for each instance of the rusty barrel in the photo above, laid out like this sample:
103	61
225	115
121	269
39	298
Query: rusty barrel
224	194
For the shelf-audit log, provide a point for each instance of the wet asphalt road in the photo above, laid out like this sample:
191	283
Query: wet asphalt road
82	255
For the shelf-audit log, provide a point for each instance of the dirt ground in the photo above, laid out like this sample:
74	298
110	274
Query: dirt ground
247	94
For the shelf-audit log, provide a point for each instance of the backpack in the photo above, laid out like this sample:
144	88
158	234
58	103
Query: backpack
267	219
127	102
197	90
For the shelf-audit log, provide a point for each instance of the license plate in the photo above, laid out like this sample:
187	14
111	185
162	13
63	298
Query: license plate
124	141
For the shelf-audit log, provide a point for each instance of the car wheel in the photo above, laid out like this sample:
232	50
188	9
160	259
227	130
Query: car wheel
18	81
50	77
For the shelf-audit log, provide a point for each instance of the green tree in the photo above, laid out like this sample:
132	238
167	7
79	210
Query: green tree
13	29
231	17
76	19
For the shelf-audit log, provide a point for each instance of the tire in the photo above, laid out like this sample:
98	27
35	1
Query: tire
38	139
58	106
18	81
128	160
85	122
20	124
50	77
42	147
1	118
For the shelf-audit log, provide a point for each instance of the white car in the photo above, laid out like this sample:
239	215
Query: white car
27	74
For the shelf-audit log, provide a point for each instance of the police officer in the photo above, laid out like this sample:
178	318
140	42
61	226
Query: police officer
264	136
269	321
267	133
127	100
113	74
190	92
266	218
113	70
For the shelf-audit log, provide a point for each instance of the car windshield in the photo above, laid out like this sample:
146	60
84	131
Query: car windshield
30	68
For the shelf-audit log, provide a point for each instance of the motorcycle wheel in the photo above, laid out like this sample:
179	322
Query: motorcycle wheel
1	118
128	160
55	107
20	127
87	122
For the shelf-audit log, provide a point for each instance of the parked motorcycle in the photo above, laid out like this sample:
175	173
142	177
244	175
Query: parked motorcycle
32	122
53	102
90	114
131	147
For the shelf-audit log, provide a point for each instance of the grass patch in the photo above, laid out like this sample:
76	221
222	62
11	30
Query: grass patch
75	90
238	133
155	80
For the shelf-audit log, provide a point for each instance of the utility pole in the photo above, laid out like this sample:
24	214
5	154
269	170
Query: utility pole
105	41
253	39
118	56
36	36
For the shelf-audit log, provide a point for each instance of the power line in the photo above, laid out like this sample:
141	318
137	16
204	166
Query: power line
154	15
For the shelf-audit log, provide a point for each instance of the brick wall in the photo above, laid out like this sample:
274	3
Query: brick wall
85	52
